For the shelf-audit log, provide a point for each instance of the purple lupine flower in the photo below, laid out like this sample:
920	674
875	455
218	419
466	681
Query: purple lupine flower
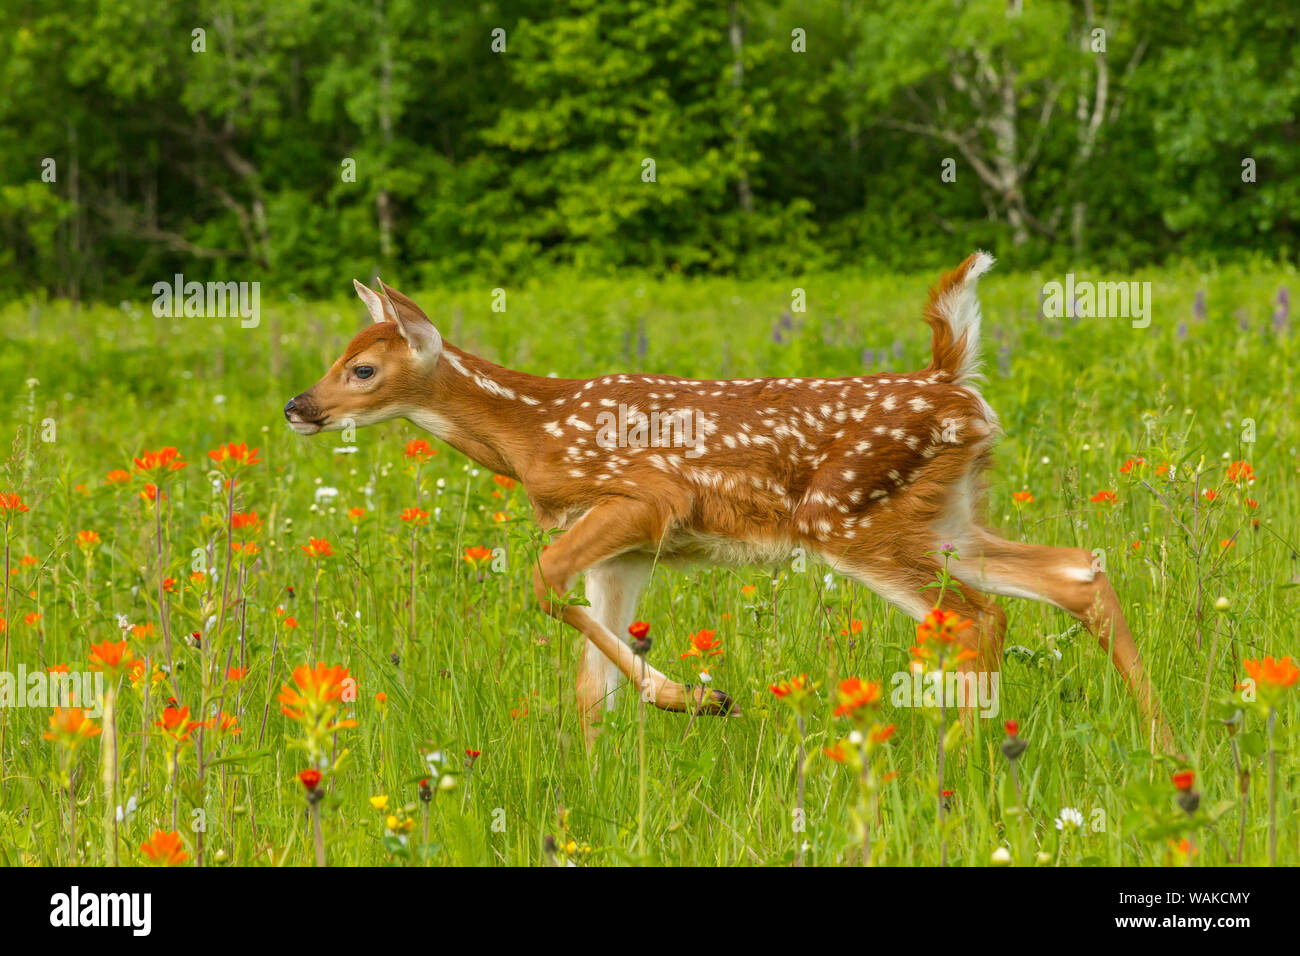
1283	311
1182	330
1199	308
868	358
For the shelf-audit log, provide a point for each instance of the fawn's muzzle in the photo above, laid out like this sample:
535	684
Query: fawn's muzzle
303	414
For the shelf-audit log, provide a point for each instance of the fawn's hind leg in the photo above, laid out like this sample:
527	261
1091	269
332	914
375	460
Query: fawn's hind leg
902	583
1065	577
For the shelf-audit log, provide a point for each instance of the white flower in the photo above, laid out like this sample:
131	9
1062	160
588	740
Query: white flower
1069	819
855	738
124	814
704	677
1001	856
218	399
326	493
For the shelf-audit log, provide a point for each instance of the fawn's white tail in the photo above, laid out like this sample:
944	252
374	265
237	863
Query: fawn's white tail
954	315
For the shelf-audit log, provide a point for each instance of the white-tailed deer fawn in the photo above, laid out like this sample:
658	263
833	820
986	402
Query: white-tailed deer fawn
874	473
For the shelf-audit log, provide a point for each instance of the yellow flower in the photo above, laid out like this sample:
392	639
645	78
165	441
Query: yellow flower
380	802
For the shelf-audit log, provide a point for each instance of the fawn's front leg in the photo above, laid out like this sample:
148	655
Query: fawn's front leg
610	530
613	588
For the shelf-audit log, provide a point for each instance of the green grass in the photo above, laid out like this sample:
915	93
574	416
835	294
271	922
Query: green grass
484	669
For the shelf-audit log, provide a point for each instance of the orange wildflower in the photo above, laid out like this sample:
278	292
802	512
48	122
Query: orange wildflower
11	505
71	727
855	694
419	450
113	659
159	463
1240	471
316	695
164	849
231	457
176	723
317	548
703	644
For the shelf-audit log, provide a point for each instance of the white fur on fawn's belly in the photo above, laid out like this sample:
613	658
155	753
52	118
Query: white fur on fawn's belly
686	548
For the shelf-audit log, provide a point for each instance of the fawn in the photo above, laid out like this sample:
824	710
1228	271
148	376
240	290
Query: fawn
872	473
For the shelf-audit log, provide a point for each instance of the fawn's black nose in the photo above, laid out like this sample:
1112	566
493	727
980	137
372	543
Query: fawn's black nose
288	406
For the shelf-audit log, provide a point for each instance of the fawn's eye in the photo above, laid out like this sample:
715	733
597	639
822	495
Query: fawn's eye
363	371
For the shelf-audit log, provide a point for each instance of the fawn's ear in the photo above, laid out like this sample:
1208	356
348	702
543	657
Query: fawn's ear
379	309
420	335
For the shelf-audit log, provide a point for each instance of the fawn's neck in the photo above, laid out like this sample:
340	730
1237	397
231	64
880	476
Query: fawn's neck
486	412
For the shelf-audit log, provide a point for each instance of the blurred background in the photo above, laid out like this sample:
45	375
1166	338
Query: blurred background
302	142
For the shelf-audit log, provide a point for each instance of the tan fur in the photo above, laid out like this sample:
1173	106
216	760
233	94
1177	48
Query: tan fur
870	472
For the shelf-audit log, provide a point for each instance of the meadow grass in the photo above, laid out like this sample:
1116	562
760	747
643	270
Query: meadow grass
473	664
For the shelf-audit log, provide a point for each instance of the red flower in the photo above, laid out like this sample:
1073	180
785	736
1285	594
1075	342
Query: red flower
419	450
176	723
880	734
112	659
792	686
1104	497
246	521
164	849
159	462
639	629
1013	728
1184	779
317	548
230	457
504	482
1240	471
856	694
836	753
11	505
703	644
310	778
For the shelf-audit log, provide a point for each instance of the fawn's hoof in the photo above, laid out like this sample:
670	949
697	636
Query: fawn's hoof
714	703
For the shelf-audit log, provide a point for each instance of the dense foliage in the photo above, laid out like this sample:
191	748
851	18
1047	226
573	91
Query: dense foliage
220	137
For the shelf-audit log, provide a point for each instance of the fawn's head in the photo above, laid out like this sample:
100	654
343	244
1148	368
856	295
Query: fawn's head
383	373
